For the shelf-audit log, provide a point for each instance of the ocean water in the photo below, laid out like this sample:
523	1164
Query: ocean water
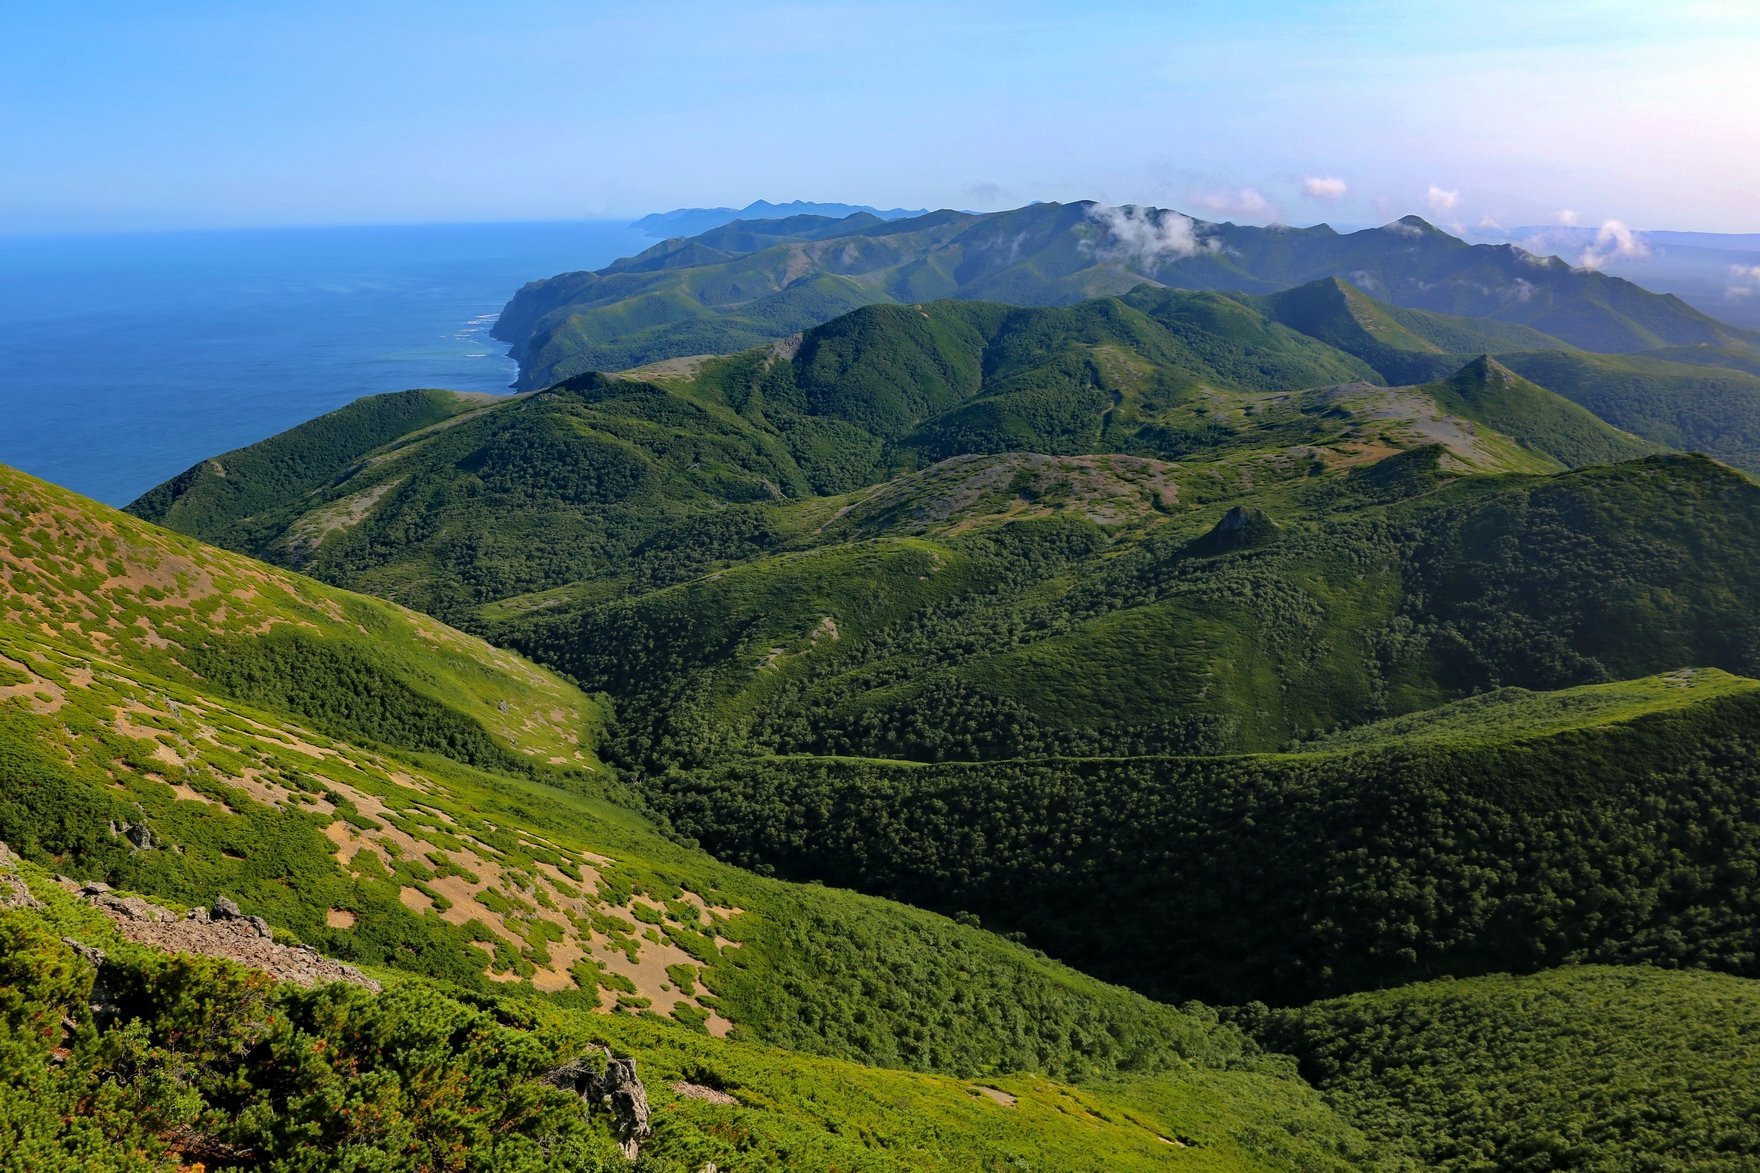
124	359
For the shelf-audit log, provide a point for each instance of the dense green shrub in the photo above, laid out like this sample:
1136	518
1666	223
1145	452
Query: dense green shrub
1285	878
201	1060
1586	1068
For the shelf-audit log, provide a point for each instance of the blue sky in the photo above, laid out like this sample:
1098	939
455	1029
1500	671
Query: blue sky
179	113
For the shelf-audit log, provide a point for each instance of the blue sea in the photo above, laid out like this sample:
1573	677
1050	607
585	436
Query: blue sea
124	359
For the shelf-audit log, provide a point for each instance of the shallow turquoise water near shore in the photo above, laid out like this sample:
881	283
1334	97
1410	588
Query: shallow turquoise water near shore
124	359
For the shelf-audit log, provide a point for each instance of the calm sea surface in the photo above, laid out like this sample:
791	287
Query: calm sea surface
125	359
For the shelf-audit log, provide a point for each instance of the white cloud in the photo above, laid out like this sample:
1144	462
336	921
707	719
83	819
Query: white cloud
1243	202
1487	224
1744	281
1613	242
1324	187
1522	289
1401	228
1441	201
1567	217
1544	245
1148	236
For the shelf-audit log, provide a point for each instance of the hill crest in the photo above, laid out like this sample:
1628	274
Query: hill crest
741	285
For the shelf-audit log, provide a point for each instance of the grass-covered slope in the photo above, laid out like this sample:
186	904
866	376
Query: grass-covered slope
392	856
1584	1068
1487	391
744	284
514	914
167	1063
1693	407
1403	345
212	497
1698	398
102	584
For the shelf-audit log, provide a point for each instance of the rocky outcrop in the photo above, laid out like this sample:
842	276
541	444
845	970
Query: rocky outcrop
612	1084
221	931
14	893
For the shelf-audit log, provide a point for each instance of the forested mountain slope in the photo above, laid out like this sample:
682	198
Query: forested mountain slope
1580	1068
1170	634
508	898
1511	832
671	466
749	282
1699	398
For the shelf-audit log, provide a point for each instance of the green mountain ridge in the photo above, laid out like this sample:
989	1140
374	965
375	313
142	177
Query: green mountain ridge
1166	633
1690	397
741	285
1159	375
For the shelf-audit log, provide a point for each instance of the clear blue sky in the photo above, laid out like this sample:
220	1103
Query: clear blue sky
181	113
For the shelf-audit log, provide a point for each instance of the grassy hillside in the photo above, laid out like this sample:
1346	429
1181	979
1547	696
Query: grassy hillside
190	1061
98	583
1403	345
1487	391
514	912
1682	405
215	495
744	284
386	854
1582	1068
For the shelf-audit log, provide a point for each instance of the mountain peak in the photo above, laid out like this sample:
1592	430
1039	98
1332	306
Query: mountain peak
1485	369
1336	285
1416	226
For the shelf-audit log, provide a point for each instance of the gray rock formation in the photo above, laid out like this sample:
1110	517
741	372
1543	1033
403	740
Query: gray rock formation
610	1083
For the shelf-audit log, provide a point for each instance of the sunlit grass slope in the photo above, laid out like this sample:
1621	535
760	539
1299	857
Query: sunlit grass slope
199	1061
509	895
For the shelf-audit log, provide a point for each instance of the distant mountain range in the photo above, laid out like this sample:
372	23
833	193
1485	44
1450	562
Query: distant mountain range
690	221
1718	272
749	282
